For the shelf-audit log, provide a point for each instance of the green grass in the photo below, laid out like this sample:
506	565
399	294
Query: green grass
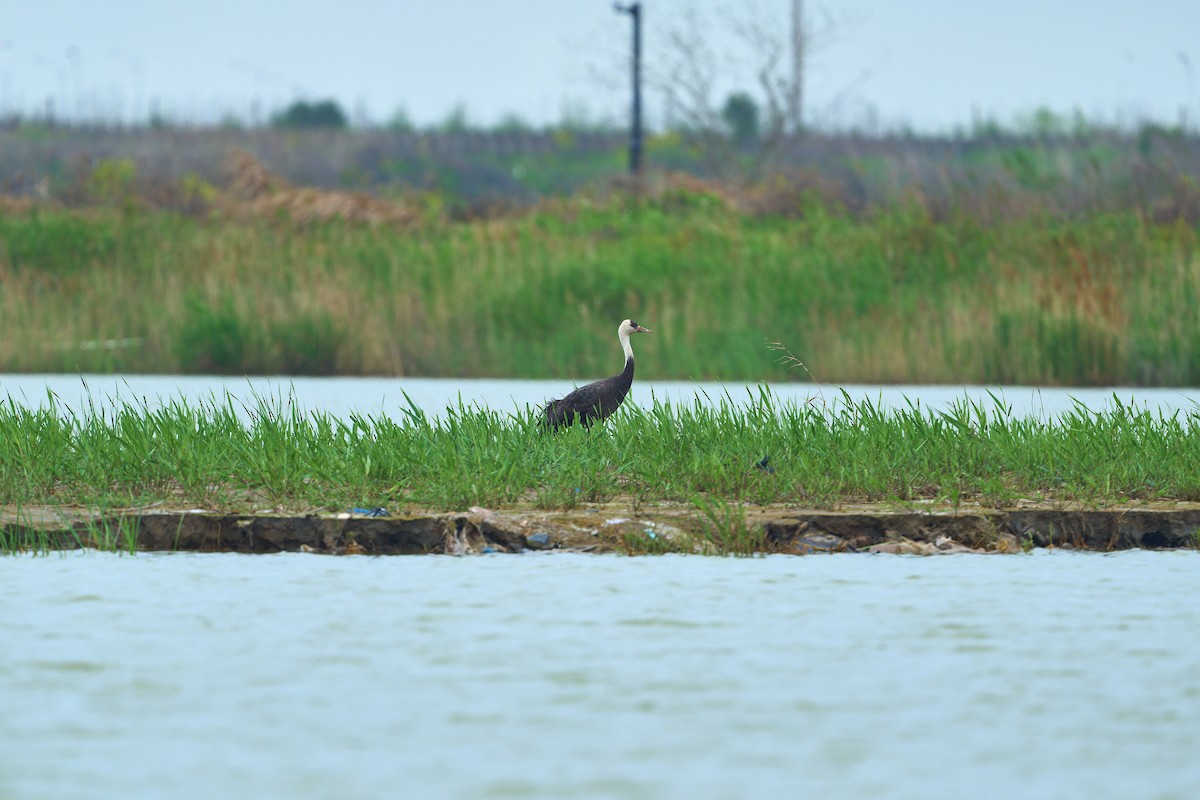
894	296
700	455
19	536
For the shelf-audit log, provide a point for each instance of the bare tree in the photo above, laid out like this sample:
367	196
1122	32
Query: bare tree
686	75
691	70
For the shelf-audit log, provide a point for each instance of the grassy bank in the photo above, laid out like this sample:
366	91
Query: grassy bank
204	455
895	296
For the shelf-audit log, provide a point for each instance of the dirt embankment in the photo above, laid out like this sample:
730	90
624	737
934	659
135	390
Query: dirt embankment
612	529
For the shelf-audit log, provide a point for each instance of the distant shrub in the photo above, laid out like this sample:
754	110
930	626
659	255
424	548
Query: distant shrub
305	344
196	192
456	121
55	244
302	114
222	339
513	123
214	340
113	182
1069	351
401	122
740	115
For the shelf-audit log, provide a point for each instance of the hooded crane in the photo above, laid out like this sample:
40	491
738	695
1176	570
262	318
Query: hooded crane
596	401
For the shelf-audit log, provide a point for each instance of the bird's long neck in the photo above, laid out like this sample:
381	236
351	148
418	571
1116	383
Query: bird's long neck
626	347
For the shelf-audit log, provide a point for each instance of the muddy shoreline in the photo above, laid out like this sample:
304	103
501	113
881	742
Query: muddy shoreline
608	529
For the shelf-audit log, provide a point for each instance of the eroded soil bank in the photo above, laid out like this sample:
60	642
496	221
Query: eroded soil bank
613	528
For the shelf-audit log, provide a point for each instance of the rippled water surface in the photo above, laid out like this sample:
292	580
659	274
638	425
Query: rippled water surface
554	675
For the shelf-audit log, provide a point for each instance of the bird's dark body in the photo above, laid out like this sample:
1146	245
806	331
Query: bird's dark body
591	403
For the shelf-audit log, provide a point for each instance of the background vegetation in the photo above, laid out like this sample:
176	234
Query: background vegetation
1063	163
1054	254
898	296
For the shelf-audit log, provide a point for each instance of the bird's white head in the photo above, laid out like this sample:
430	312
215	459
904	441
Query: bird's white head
623	332
629	326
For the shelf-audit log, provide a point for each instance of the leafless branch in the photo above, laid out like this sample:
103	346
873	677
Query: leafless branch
691	71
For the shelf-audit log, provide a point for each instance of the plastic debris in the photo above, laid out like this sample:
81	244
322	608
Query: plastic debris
369	512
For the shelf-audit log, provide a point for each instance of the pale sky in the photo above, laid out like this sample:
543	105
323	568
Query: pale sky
928	64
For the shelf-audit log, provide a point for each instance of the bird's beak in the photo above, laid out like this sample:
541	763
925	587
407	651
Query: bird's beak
640	329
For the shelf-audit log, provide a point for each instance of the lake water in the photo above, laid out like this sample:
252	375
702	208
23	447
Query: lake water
386	396
1051	675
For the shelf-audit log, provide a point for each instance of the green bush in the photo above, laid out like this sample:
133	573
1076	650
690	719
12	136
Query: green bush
302	114
215	340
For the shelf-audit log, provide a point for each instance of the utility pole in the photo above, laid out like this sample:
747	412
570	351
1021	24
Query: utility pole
797	98
635	131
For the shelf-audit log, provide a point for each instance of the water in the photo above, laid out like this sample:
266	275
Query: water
556	675
386	396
